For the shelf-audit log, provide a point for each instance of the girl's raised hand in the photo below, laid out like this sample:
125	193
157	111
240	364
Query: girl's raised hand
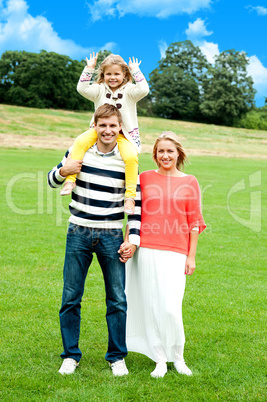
133	64
91	63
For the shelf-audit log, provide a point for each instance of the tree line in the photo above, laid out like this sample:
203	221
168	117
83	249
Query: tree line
184	86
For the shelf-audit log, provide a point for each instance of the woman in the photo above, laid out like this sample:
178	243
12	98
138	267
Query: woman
170	223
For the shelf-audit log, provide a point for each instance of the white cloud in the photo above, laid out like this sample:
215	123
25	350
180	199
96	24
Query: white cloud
210	50
197	29
21	31
111	46
195	32
259	74
162	48
257	70
259	9
151	8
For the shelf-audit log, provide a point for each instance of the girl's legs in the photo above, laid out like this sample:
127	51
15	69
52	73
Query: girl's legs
130	157
81	145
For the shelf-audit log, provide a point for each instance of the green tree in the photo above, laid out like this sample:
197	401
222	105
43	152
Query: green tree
8	64
176	84
102	54
228	92
43	80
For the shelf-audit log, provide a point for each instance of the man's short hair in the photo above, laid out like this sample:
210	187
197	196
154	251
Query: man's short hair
107	110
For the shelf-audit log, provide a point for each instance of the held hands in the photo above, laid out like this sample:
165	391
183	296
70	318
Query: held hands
91	63
126	251
190	266
133	64
71	167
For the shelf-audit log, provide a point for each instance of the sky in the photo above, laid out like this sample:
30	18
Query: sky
139	28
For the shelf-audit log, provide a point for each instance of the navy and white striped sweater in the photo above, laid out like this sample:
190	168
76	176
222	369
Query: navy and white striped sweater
98	198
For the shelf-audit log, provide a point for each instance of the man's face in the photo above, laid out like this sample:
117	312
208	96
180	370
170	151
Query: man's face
107	129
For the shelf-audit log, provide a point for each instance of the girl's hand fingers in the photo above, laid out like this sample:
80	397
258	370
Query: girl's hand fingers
134	62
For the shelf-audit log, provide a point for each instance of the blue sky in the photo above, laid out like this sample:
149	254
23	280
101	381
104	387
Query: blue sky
139	28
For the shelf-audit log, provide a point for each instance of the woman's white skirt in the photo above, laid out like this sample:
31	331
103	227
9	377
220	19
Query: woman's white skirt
155	283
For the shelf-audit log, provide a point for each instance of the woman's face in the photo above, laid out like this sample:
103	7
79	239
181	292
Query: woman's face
167	154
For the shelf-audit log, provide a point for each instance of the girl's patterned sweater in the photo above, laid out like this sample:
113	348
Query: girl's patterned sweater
124	98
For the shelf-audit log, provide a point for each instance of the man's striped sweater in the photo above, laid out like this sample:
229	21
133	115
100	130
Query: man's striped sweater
98	198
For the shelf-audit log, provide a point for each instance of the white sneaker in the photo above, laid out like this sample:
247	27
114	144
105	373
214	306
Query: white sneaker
160	370
182	368
119	368
68	366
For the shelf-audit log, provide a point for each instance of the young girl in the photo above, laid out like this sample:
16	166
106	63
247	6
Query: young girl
114	86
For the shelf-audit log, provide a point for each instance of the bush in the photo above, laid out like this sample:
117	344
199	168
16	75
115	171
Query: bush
256	119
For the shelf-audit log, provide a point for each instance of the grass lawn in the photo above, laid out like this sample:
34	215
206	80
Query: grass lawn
224	309
56	125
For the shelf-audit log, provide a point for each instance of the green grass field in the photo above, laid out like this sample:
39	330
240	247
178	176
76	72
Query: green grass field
199	139
224	306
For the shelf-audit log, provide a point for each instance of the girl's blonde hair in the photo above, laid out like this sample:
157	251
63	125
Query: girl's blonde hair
170	136
109	61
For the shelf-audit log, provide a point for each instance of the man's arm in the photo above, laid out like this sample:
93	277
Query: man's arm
134	221
67	166
132	234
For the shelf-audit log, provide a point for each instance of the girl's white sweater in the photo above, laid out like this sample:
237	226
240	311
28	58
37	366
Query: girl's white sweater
125	98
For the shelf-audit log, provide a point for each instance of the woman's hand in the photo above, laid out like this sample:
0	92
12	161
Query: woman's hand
126	251
91	63
190	265
133	64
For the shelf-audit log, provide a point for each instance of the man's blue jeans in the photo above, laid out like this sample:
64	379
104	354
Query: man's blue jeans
82	242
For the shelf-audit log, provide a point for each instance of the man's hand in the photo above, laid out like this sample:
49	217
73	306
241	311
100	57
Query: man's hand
133	64
126	251
71	167
91	63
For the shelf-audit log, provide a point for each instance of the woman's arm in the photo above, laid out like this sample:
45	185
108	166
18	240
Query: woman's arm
190	264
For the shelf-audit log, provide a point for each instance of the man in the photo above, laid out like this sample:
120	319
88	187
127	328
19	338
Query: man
96	227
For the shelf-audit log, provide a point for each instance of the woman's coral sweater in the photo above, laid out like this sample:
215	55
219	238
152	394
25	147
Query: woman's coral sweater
171	208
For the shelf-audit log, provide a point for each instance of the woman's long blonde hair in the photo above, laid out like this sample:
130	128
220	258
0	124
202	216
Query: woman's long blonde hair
109	61
170	136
